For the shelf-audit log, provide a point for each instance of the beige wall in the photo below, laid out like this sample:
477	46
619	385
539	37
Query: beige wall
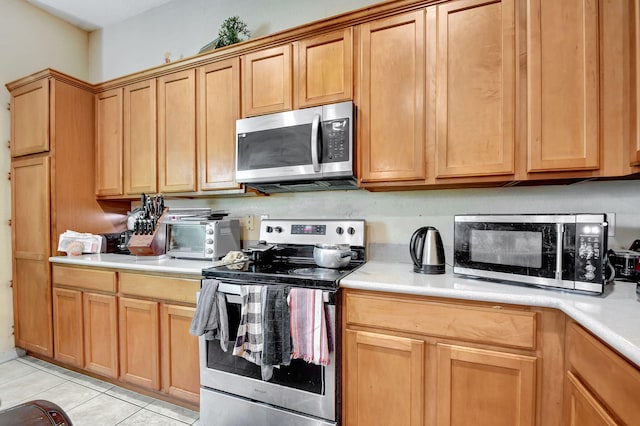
30	40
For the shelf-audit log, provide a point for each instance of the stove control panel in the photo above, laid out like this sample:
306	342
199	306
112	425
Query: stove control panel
312	231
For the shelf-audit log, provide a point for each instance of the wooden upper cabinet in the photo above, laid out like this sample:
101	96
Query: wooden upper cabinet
267	81
476	386
635	155
177	132
323	69
218	110
562	93
30	118
391	115
139	128
475	88
108	155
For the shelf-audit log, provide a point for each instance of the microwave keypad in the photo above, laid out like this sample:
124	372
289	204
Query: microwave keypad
589	258
335	140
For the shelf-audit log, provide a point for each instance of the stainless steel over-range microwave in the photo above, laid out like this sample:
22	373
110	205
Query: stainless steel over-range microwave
310	148
567	251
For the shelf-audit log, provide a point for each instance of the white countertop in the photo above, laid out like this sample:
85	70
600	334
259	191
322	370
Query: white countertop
153	264
614	317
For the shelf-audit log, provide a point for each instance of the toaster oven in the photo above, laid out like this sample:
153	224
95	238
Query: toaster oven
202	239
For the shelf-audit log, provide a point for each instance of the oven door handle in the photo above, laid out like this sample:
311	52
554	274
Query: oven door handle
315	125
560	250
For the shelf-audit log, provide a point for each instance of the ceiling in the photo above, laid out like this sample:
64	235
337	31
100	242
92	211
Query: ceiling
91	15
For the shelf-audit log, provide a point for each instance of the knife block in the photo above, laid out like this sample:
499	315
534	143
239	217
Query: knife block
150	245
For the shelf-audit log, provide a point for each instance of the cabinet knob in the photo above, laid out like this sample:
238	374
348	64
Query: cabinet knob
8	106
9	144
9	222
9	176
11	284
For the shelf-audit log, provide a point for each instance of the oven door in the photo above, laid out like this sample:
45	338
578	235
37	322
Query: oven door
531	249
301	387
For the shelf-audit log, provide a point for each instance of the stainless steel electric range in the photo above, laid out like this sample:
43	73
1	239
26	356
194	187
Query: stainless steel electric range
301	393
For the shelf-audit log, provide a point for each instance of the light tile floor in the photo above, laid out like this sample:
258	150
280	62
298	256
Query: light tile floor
86	400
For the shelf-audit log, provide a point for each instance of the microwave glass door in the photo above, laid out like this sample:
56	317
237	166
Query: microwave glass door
526	249
186	238
273	148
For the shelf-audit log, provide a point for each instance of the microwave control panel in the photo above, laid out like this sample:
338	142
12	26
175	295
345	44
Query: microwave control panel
335	140
591	248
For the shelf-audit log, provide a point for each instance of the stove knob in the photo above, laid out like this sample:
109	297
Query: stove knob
269	229
339	230
351	230
278	229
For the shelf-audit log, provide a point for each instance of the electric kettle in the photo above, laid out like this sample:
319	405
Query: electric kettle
427	251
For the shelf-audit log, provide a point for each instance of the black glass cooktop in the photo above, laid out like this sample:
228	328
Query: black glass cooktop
304	274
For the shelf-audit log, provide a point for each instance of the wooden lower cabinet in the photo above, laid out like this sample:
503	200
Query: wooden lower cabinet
100	316
476	386
602	386
384	379
67	326
180	357
411	360
139	329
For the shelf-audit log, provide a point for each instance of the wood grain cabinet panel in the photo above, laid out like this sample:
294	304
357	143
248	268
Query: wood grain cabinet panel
267	81
391	116
323	68
475	86
139	138
100	315
108	143
218	110
476	386
33	318
583	408
180	356
563	83
384	379
635	151
30	118
67	326
139	336
177	132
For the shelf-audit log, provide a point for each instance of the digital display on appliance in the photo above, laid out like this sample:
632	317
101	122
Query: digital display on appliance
309	229
515	248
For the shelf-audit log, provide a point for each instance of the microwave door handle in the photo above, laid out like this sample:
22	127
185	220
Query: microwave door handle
315	125
560	249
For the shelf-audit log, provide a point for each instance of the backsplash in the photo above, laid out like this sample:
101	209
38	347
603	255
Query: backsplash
392	217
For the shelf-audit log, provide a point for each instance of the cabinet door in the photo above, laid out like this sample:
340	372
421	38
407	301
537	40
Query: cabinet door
139	125
177	132
475	88
30	118
392	114
67	326
635	155
476	386
384	379
583	408
139	335
180	359
218	110
323	69
30	199
562	92
109	143
266	81
100	314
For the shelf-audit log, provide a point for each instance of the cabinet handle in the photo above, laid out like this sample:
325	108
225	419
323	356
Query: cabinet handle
9	176
11	284
8	106
9	144
9	222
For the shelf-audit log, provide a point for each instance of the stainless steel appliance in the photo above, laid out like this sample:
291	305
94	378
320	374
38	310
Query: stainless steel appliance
232	390
301	150
198	238
626	264
427	251
567	251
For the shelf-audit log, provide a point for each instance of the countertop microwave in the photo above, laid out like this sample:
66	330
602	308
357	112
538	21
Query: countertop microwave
566	251
299	150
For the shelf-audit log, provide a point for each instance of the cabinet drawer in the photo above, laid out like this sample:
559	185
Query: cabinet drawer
614	380
488	325
88	279
158	287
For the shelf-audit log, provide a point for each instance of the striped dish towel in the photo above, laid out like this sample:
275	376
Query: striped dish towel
249	338
308	326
